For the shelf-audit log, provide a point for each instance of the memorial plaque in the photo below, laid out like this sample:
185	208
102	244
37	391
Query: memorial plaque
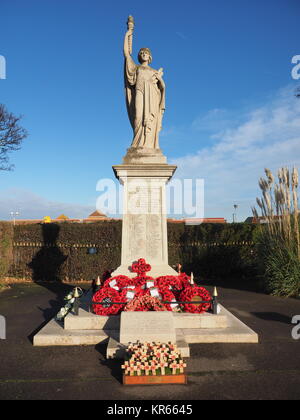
147	326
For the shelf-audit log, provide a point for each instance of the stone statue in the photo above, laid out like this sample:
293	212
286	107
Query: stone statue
145	95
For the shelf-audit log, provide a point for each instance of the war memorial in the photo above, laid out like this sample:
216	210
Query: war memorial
145	306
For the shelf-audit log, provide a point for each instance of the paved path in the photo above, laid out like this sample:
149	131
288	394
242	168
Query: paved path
268	370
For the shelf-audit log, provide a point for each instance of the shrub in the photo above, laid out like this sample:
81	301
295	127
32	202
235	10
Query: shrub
6	235
59	251
279	248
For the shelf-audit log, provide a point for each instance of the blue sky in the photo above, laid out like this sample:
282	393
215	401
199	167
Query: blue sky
230	105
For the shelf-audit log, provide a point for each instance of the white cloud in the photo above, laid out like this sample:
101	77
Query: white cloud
32	206
215	119
269	136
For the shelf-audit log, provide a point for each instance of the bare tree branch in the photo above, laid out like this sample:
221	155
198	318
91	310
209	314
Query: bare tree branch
11	136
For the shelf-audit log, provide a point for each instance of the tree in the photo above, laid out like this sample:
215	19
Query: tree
11	136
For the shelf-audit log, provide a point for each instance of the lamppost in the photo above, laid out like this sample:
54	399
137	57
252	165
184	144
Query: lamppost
14	214
235	206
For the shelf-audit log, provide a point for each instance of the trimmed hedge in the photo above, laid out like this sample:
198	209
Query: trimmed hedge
59	252
214	250
6	249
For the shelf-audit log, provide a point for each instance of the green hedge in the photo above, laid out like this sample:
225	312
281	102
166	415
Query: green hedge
214	250
59	252
6	249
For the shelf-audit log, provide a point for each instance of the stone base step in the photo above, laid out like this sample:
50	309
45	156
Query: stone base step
89	321
206	320
116	350
236	332
53	334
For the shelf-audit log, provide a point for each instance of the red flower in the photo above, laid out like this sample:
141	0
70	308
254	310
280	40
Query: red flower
145	303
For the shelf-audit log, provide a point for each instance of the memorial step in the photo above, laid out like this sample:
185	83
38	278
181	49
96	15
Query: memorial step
236	332
53	334
89	321
116	350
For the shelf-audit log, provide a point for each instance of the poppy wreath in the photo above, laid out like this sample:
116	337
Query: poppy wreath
138	292
167	281
141	267
149	291
184	280
189	293
145	303
142	280
167	296
121	282
106	296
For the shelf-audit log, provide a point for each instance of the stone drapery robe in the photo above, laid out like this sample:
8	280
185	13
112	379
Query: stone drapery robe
145	99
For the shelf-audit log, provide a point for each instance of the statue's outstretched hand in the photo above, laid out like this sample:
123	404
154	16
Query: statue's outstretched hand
157	77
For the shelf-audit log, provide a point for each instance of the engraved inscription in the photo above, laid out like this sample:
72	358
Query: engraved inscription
154	326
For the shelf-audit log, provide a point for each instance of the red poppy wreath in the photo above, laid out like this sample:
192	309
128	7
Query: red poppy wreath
119	281
195	293
109	302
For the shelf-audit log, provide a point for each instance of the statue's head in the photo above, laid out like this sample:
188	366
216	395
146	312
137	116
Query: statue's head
143	55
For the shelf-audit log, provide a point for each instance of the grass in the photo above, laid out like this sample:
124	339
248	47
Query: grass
279	236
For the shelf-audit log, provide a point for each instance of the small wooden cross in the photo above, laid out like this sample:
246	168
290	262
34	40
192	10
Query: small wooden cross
162	366
181	365
173	366
147	369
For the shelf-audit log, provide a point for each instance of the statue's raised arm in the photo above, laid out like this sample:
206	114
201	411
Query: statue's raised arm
128	37
145	94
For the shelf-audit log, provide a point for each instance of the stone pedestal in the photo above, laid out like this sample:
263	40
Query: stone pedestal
147	326
144	230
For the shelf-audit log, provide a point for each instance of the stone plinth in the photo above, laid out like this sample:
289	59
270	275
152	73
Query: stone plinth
90	329
89	321
147	326
144	229
142	155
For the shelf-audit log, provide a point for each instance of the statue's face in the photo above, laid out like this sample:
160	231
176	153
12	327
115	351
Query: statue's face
144	56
